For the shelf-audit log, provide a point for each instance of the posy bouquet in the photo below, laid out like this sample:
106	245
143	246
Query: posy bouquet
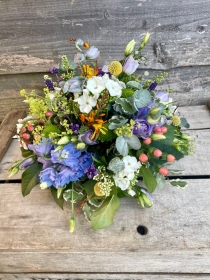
96	131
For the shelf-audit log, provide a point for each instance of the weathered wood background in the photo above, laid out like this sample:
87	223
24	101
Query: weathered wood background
34	34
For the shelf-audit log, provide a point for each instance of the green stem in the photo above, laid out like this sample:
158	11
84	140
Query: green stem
72	220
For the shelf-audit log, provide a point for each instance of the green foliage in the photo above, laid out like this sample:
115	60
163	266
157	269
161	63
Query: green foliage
25	153
89	186
178	183
50	128
104	216
109	134
125	105
126	92
117	121
148	179
59	201
30	178
69	194
142	98
116	165
123	144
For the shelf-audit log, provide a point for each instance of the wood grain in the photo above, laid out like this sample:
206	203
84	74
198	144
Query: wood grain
34	35
7	128
101	276
34	234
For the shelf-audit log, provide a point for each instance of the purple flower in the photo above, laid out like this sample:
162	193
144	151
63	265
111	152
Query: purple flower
85	160
74	85
91	171
163	96
130	65
43	149
79	57
142	129
49	84
86	137
54	70
48	176
65	175
152	86
101	72
45	161
68	156
74	127
26	163
142	112
92	53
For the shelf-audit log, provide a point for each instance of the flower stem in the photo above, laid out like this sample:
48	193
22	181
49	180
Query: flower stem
72	220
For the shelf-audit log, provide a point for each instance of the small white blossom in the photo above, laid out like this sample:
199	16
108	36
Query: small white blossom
122	183
43	185
87	102
95	85
131	192
131	164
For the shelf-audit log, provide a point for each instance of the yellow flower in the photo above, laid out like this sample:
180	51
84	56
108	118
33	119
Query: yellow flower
97	190
89	71
115	68
176	120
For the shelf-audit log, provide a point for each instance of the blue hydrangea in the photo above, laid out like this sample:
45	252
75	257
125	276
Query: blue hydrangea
43	149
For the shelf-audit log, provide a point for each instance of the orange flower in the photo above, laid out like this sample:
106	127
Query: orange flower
89	71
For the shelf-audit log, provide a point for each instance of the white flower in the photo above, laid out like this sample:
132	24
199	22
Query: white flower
86	101
105	68
43	185
119	82
19	126
131	164
122	183
131	192
52	96
95	85
114	88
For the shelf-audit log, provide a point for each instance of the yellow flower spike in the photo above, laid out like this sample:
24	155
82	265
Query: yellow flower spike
97	190
115	68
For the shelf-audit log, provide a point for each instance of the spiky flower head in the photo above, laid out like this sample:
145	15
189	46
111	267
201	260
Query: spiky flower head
115	68
176	120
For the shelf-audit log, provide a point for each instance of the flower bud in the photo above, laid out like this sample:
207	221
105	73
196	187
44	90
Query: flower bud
30	127
72	224
64	140
14	171
157	129
80	146
27	162
154	111
152	121
129	48
92	53
130	65
48	114
144	41
157	136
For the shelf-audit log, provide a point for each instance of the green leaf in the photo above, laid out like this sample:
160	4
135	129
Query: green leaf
89	186
30	178
178	183
148	179
104	216
87	211
122	146
95	202
142	98
26	153
117	121
184	123
160	180
59	201
116	165
76	195
125	105
160	144
134	142
134	85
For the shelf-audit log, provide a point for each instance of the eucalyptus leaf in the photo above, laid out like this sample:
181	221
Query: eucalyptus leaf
30	178
148	179
134	142
117	121
116	165
67	195
125	105
134	85
122	146
184	123
142	98
59	201
160	180
104	216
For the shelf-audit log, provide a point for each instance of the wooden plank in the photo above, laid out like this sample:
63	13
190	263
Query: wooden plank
101	276
34	235
7	128
34	35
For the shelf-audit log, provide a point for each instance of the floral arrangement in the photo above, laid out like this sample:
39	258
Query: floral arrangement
100	134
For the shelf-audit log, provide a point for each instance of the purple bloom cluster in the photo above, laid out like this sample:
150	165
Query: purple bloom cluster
63	166
54	70
75	128
142	129
49	84
152	86
91	171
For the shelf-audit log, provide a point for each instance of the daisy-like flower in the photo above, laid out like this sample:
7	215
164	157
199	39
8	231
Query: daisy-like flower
131	164
86	101
95	85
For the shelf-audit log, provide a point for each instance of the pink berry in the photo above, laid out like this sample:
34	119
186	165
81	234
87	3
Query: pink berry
159	132
164	129
30	127
143	158
157	129
48	114
25	136
170	158
163	171
147	141
41	122
157	153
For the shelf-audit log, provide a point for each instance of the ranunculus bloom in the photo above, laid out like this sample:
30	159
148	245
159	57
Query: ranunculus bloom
142	129
130	65
92	53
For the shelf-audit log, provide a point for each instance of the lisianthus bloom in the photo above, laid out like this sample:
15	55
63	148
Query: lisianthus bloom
86	137
95	85
142	129
163	96
73	85
26	163
130	65
92	53
79	58
86	101
43	149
